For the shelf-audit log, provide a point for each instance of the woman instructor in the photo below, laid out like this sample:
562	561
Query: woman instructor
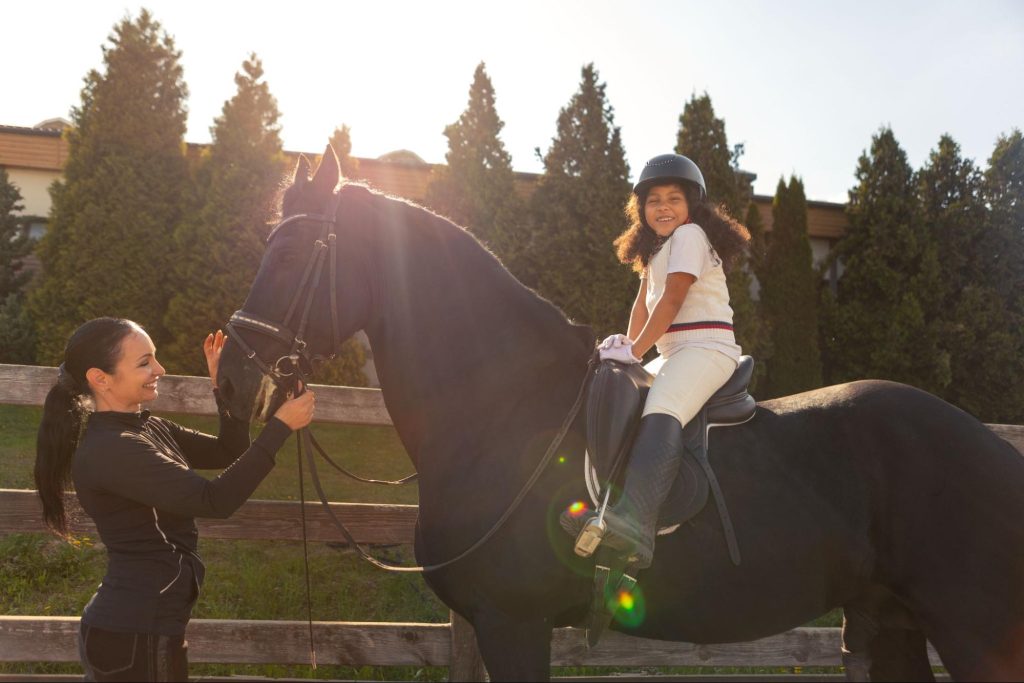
133	475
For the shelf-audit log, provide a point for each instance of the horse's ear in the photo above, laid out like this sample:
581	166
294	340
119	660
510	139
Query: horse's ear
328	173
301	176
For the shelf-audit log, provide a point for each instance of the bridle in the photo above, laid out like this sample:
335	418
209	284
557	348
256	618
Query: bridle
299	356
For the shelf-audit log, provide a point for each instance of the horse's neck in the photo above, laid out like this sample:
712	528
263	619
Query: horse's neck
457	341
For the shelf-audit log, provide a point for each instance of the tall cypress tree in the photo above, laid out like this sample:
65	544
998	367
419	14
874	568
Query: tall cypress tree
108	247
341	141
14	242
17	338
877	325
702	138
789	295
753	332
219	246
1003	238
476	187
987	329
577	211
758	249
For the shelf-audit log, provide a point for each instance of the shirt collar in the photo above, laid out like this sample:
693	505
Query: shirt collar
137	420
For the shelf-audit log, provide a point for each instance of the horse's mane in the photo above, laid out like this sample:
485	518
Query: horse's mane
417	221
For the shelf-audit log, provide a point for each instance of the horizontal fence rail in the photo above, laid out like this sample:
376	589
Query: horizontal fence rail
227	641
52	638
28	384
278	520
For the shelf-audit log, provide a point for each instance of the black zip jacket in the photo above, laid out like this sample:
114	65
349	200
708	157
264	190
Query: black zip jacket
133	474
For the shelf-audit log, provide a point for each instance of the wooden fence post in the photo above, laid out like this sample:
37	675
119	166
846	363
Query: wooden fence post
465	663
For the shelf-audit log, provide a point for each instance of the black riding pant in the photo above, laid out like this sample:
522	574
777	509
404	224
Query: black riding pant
111	656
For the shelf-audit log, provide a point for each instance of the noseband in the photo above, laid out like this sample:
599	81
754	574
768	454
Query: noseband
299	357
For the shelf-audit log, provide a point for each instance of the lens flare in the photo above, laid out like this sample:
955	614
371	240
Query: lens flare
561	460
628	607
577	508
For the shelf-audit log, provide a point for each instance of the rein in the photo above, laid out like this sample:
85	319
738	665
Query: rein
305	439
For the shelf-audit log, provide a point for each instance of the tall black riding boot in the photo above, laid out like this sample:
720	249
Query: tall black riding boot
656	455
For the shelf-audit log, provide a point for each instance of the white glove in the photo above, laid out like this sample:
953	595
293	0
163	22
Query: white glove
622	353
615	341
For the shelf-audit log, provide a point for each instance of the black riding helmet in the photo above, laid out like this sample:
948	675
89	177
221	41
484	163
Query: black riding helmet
671	168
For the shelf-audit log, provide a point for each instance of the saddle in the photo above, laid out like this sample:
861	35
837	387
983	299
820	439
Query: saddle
615	401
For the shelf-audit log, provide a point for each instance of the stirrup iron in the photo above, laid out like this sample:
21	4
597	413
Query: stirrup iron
592	533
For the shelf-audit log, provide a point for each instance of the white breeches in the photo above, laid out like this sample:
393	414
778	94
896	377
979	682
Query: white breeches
686	380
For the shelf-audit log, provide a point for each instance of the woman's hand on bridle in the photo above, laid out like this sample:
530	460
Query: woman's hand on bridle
212	346
297	412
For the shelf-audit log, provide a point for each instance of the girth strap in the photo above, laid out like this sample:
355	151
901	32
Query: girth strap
698	446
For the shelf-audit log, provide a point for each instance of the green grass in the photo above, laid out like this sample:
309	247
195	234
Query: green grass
40	575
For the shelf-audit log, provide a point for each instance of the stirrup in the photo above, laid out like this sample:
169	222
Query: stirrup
590	536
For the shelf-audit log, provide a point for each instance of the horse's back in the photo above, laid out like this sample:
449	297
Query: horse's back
947	502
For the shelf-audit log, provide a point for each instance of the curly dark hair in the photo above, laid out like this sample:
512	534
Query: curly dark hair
639	242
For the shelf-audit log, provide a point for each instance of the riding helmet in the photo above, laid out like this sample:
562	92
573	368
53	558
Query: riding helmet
671	167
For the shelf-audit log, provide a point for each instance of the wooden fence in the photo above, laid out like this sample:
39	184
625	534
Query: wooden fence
52	639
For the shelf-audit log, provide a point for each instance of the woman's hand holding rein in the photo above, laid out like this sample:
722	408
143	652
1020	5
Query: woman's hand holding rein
297	412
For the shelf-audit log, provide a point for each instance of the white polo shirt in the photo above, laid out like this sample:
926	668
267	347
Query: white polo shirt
705	318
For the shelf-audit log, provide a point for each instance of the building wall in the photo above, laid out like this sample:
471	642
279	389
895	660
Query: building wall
34	185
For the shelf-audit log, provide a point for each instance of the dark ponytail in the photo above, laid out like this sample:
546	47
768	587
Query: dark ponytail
96	344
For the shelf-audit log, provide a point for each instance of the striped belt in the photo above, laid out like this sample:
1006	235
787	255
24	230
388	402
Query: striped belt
701	325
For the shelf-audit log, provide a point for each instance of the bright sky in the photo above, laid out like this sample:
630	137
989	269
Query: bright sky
802	84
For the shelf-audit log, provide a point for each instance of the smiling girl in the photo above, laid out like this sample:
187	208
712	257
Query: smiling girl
133	475
681	245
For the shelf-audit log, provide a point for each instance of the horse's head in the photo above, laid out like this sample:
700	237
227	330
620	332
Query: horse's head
290	316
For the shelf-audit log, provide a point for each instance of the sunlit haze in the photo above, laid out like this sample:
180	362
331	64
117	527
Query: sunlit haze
803	85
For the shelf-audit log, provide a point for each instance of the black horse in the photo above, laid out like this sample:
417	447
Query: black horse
871	496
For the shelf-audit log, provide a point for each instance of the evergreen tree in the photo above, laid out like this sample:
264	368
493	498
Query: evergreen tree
702	138
987	330
758	248
346	369
476	188
949	192
17	339
877	325
14	242
108	247
789	294
1003	238
341	141
219	246
577	211
753	331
